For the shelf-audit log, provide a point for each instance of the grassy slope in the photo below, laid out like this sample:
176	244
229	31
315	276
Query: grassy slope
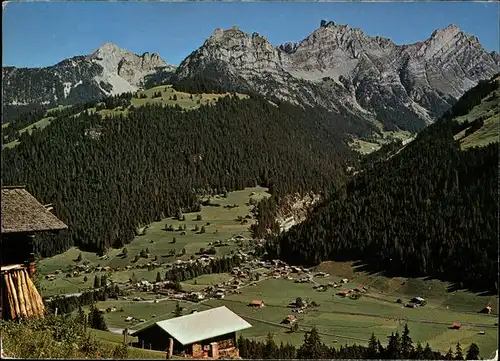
489	132
167	93
366	147
221	220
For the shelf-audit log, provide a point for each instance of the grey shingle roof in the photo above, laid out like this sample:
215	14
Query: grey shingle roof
21	212
202	325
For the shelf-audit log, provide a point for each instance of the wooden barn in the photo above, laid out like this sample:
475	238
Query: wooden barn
210	333
22	217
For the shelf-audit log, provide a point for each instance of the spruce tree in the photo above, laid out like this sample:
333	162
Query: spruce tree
406	343
372	350
158	277
270	348
458	352
312	347
96	282
419	351
178	310
472	352
394	347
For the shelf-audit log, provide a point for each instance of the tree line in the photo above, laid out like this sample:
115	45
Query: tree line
399	347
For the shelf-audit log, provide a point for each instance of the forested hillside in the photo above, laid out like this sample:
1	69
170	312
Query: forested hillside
430	210
108	176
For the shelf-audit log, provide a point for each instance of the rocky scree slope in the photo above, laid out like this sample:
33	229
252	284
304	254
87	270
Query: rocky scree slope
345	71
109	70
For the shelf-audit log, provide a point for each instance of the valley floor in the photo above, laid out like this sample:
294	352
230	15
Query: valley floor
339	320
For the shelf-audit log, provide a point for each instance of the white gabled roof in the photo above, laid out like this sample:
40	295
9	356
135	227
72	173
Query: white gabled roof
203	325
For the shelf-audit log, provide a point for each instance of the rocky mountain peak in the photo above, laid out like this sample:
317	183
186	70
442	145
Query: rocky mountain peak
107	50
289	47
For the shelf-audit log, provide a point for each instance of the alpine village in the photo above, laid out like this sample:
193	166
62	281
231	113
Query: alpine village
330	198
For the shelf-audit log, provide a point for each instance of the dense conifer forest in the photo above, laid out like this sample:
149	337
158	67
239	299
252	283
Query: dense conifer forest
106	177
430	210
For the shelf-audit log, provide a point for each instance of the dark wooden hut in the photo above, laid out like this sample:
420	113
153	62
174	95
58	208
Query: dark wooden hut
22	217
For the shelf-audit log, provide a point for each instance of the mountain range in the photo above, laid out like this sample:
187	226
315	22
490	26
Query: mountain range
336	68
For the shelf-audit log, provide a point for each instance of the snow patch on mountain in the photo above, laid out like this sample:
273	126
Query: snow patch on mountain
66	89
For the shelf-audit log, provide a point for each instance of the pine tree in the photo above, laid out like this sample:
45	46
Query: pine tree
449	355
372	350
394	347
472	352
458	352
406	343
312	347
381	350
202	230
242	346
158	277
96	282
419	351
178	310
79	258
96	319
81	317
270	349
103	281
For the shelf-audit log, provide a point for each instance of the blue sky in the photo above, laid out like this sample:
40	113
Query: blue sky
43	33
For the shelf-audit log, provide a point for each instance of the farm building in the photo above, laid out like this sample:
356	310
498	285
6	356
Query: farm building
22	217
456	325
289	319
256	303
487	309
210	333
344	292
418	300
360	288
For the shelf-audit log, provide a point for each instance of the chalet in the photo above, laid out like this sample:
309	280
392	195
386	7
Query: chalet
411	305
257	303
22	217
418	300
210	333
219	295
487	309
289	319
344	292
456	325
321	274
360	288
344	280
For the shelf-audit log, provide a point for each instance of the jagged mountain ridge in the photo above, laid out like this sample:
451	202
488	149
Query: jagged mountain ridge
109	70
342	69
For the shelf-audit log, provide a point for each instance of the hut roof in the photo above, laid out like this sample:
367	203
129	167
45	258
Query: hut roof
21	212
257	302
202	325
